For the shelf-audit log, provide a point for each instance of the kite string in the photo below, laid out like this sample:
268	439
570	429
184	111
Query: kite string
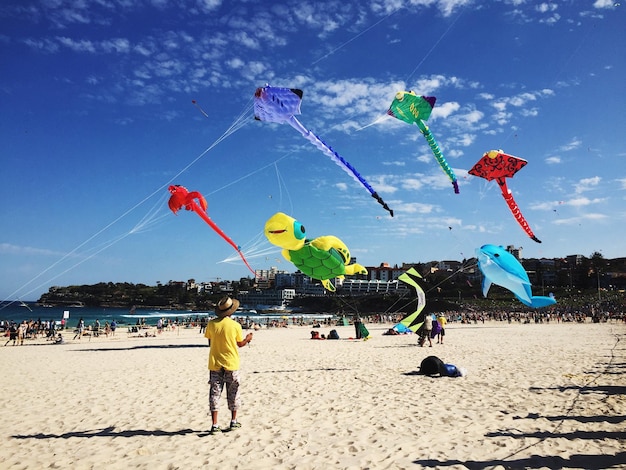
451	275
83	260
356	36
249	174
239	123
259	246
433	47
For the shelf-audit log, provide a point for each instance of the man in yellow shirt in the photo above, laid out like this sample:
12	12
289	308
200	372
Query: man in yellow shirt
225	337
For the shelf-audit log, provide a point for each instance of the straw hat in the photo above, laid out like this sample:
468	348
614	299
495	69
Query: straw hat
226	307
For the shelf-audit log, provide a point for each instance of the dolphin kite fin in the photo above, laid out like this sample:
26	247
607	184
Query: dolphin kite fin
486	286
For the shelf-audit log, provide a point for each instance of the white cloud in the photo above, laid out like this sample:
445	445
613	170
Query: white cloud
42	44
551	19
572	145
546	7
444	110
447	7
396	163
604	4
246	40
412	183
382	185
582	218
10	249
587	184
208	5
553	160
429	85
116	45
464	140
78	46
235	63
415	208
584	201
530	112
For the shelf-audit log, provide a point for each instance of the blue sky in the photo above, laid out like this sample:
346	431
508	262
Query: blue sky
97	120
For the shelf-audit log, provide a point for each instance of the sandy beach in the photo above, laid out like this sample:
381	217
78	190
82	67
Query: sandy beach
536	396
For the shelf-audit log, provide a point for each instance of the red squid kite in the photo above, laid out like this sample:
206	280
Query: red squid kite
181	197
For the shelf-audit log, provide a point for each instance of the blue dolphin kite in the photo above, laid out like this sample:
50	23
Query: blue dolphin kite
502	268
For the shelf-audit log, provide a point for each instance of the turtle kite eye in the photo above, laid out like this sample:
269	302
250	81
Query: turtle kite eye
298	230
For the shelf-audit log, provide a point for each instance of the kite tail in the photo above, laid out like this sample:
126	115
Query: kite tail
508	197
338	159
382	203
208	220
245	261
439	156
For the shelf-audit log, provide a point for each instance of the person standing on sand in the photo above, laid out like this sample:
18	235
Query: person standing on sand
80	328
12	334
21	332
225	337
428	328
441	319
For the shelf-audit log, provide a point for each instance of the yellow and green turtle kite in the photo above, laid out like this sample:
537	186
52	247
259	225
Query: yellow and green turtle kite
322	258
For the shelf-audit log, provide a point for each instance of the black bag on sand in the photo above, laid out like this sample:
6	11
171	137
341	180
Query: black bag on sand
431	365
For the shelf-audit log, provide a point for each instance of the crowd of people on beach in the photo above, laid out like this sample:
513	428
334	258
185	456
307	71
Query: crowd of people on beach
30	329
17	333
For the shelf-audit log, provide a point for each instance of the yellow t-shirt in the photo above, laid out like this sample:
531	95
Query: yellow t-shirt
224	333
442	321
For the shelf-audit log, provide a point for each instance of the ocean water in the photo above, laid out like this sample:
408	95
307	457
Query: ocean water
16	312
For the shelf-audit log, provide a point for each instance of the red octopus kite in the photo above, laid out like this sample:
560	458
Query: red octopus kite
181	197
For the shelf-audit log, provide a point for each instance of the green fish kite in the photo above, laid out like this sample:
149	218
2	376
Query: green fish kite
409	107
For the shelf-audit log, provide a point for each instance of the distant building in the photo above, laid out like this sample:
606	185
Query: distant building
363	287
383	272
268	299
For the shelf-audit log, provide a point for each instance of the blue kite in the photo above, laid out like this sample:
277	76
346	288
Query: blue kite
502	268
280	105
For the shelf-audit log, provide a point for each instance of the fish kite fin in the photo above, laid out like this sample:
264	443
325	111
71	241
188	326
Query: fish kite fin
486	286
